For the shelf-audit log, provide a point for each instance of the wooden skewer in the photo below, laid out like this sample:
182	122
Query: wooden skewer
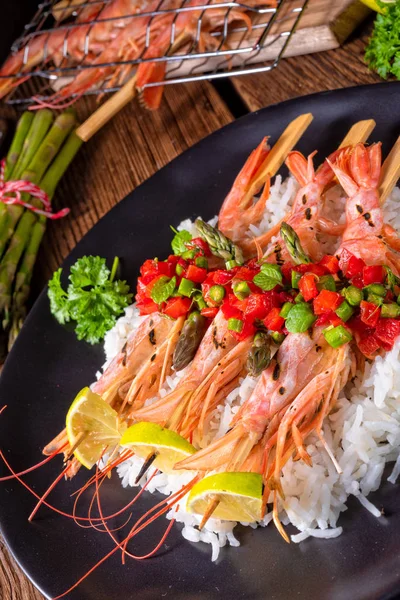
283	146
358	133
390	171
106	111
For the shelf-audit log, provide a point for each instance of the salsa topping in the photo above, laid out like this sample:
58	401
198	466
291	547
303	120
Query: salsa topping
349	299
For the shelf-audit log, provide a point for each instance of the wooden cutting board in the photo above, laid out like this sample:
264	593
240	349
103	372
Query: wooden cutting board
324	25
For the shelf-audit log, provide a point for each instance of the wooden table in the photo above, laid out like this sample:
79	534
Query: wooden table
138	143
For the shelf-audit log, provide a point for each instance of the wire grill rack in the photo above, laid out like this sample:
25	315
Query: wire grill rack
234	47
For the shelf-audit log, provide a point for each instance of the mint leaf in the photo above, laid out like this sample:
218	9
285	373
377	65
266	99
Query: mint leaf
300	318
269	277
179	240
162	289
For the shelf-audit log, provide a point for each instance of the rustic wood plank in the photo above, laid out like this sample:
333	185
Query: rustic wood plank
13	583
133	146
302	75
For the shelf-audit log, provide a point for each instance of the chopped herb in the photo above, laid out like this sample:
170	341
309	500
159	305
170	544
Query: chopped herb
179	241
269	277
163	289
383	51
93	299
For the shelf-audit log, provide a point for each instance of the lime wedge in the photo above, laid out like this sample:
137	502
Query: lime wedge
92	425
238	496
146	439
375	6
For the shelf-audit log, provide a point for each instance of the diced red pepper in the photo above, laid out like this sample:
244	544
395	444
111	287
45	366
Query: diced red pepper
165	268
308	287
176	307
330	263
389	296
200	244
350	264
246	274
373	274
209	312
173	259
236	302
387	330
147	306
358	281
329	317
287	269
273	320
229	311
335	320
326	301
248	329
359	328
369	313
258	306
196	274
369	345
222	277
323	319
318	270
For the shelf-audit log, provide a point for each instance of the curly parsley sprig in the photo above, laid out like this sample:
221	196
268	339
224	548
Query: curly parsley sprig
383	51
93	299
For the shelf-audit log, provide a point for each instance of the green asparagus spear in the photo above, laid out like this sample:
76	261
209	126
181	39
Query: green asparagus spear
34	142
293	245
40	162
6	212
24	275
36	134
189	340
15	150
259	356
220	245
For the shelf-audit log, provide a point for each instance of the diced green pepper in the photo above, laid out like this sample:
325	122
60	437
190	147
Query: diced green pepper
374	299
337	336
188	254
217	293
375	288
353	295
235	325
186	287
277	337
285	310
295	279
299	298
326	282
390	311
345	311
241	289
179	269
202	262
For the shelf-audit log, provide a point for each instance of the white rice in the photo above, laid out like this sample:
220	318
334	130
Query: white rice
363	431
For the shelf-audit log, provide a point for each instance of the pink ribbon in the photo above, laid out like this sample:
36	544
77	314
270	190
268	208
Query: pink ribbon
20	186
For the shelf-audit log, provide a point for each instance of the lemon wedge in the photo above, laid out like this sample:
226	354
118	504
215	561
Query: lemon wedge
236	496
146	439
92	426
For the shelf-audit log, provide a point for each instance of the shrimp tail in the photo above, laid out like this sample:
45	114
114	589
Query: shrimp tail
218	454
167	409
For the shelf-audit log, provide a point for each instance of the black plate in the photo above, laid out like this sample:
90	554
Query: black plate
48	366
